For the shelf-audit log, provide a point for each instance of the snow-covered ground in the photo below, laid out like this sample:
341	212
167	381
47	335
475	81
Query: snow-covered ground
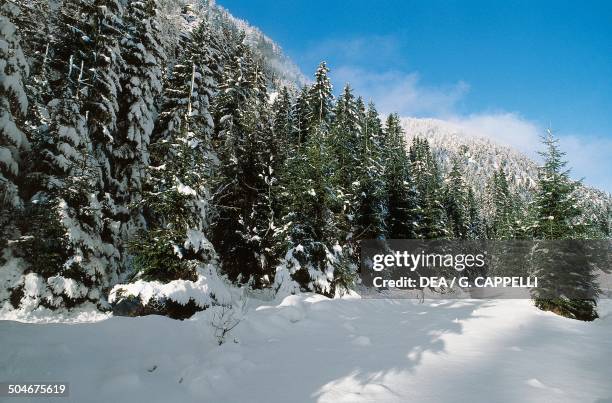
308	348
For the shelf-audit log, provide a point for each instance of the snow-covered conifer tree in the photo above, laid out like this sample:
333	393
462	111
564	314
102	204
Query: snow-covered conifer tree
431	217
456	203
141	86
370	191
558	218
401	202
179	180
246	232
317	258
283	125
345	137
503	207
320	100
13	108
301	114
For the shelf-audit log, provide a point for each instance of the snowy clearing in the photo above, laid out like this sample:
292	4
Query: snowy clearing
308	348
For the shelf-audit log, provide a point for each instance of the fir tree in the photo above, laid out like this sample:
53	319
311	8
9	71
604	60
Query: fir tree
318	259
176	195
456	203
431	217
245	231
301	126
320	101
142	85
70	254
503	208
34	22
401	202
283	125
557	218
556	205
189	88
314	221
13	108
104	63
370	192
91	48
178	192
261	229
476	226
344	138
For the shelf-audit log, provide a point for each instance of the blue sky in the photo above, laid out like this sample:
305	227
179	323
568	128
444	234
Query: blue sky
513	67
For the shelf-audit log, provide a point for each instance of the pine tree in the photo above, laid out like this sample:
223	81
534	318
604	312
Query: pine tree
370	192
320	101
237	173
456	203
13	108
283	125
245	233
35	22
142	85
177	194
313	217
476	226
104	63
91	47
503	207
557	218
64	212
401	202
301	126
318	258
344	140
190	86
261	230
556	205
431	216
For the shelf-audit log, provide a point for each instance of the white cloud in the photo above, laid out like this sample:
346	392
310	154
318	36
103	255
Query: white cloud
588	157
504	128
393	91
354	50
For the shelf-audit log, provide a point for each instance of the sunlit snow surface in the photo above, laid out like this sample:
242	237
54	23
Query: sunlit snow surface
308	348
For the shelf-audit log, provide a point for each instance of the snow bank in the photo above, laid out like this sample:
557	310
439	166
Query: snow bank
207	290
34	289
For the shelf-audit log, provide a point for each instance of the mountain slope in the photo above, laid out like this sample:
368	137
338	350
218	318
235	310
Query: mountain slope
184	15
481	157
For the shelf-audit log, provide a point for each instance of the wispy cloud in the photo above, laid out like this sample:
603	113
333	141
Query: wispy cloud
356	50
588	156
394	91
502	127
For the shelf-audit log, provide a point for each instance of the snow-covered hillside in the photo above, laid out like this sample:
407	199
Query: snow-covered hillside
312	349
186	14
285	70
481	157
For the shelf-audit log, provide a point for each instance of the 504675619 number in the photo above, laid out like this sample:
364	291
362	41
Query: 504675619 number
33	389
